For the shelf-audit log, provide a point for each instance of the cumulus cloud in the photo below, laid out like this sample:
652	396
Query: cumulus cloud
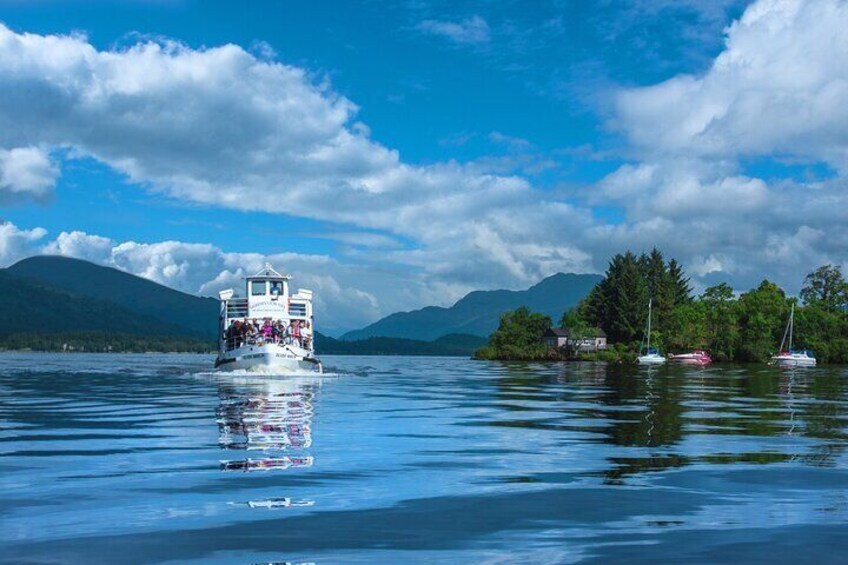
779	87
346	297
778	91
469	31
16	243
225	128
26	172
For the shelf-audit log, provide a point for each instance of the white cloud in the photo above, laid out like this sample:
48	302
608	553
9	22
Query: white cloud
221	127
26	172
470	30
224	128
346	297
778	91
16	243
81	245
779	87
682	188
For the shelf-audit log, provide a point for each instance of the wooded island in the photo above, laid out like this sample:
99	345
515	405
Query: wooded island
744	327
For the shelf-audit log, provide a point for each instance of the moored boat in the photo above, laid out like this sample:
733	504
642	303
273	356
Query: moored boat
696	357
788	357
794	359
652	356
269	328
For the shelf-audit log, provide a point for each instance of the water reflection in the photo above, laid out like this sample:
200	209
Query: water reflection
272	417
672	417
267	416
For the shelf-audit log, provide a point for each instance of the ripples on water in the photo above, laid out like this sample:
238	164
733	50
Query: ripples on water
149	459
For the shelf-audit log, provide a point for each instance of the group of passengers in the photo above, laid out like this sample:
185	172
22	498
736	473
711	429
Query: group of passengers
251	332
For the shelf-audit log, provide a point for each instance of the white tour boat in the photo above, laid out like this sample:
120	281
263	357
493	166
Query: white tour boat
269	328
787	357
651	356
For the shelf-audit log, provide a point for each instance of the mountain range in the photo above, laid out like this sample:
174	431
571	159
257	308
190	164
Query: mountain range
102	298
59	295
478	313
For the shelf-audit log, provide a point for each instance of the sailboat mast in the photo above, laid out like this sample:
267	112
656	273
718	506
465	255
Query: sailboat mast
649	325
791	324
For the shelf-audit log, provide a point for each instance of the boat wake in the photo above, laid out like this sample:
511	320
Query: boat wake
264	373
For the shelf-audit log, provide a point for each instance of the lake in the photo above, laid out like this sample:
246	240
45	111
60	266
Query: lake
153	459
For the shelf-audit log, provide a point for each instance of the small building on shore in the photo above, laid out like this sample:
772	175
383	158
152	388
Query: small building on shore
562	338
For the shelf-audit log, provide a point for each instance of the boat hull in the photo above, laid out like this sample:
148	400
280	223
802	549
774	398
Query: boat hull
691	359
267	358
651	360
794	361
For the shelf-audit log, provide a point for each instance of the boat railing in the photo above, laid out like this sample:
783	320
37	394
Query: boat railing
236	341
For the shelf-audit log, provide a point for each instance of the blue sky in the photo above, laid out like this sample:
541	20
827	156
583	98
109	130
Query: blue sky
394	155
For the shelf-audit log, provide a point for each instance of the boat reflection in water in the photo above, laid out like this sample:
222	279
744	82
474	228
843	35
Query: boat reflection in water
272	418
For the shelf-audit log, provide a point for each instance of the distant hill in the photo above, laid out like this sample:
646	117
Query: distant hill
32	306
49	302
457	345
186	313
478	313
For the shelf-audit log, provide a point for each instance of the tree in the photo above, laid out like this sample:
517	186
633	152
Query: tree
720	320
762	315
687	327
620	304
825	288
519	336
577	328
679	282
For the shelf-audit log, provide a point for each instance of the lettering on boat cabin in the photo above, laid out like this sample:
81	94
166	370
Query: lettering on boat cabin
268	307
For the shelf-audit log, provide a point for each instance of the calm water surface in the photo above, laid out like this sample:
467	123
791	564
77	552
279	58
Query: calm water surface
149	459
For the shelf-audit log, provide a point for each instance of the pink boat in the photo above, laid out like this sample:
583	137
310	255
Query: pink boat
697	357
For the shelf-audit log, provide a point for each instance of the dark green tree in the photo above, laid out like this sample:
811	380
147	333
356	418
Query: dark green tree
679	282
578	328
626	299
762	315
720	320
825	288
519	336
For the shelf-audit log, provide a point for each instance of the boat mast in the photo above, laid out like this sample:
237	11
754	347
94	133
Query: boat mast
791	325
649	325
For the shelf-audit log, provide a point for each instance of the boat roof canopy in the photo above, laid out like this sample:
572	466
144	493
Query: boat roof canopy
268	273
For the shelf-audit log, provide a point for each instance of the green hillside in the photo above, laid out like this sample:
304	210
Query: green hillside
193	315
457	345
478	313
53	302
29	305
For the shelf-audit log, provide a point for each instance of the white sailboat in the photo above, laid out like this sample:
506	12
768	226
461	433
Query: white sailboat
652	356
788	357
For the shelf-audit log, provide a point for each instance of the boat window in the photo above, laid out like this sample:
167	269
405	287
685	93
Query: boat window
276	288
257	288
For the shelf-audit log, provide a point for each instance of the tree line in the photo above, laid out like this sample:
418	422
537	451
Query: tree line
745	327
98	341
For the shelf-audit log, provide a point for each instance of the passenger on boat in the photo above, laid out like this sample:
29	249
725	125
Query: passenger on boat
296	333
232	334
276	331
306	333
267	330
251	332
